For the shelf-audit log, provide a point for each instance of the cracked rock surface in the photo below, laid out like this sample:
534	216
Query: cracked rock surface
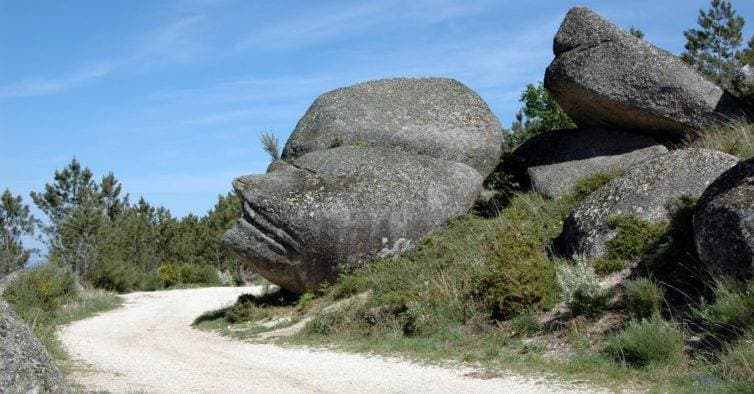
603	76
644	190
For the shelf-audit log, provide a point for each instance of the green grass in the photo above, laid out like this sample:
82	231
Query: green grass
736	138
45	297
648	342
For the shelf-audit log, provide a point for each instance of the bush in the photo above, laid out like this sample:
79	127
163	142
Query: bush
643	297
305	301
525	323
509	289
652	341
730	315
116	276
43	288
580	288
169	274
633	236
199	274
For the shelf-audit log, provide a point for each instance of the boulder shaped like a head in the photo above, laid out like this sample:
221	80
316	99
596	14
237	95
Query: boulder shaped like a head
369	171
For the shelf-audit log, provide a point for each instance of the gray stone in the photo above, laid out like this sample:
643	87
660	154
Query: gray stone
436	117
603	76
556	160
724	223
377	315
645	190
25	366
338	208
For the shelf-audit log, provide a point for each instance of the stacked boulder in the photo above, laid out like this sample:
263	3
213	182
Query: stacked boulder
369	171
629	99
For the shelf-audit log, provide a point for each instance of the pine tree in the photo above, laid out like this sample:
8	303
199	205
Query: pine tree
80	212
15	222
747	55
713	49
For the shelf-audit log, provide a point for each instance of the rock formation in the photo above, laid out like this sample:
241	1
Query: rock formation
603	76
374	168
436	117
25	366
724	223
556	160
644	190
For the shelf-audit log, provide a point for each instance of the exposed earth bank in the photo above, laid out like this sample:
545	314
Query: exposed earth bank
149	345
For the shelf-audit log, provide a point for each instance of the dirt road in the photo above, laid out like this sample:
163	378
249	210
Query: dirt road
148	345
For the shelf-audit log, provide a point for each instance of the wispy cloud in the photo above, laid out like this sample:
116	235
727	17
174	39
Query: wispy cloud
172	42
319	25
44	86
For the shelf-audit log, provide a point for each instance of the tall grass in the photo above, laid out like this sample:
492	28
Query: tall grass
735	138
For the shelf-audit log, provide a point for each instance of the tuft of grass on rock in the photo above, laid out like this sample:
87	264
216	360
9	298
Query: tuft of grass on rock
735	138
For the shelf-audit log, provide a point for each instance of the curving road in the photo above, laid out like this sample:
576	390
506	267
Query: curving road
148	345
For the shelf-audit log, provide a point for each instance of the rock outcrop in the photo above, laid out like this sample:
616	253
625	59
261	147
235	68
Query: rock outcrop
332	209
556	160
644	190
603	76
434	117
25	366
724	223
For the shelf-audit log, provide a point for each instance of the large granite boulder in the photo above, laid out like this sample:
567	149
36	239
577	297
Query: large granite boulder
724	223
333	209
435	117
25	366
603	76
555	161
644	190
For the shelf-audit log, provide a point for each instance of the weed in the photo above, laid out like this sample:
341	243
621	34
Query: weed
647	342
643	297
730	315
633	236
735	138
737	360
580	288
305	301
524	323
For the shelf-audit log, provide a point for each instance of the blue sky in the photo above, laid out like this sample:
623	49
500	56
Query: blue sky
171	96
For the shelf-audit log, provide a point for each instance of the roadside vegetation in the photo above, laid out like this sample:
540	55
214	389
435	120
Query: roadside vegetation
49	296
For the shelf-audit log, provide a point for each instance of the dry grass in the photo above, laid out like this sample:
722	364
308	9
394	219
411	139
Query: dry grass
735	138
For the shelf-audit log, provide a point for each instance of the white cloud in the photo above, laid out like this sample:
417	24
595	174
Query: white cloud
45	86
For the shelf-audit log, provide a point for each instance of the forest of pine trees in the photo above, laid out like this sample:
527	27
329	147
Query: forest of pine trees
112	242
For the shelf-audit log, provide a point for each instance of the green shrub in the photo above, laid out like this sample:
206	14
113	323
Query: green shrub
305	301
606	266
731	314
525	323
643	297
116	276
737	360
169	274
199	274
633	236
509	289
43	288
150	281
580	288
321	324
652	341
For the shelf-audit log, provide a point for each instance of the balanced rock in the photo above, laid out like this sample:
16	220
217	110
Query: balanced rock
556	160
603	76
435	117
25	366
333	209
644	190
724	223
